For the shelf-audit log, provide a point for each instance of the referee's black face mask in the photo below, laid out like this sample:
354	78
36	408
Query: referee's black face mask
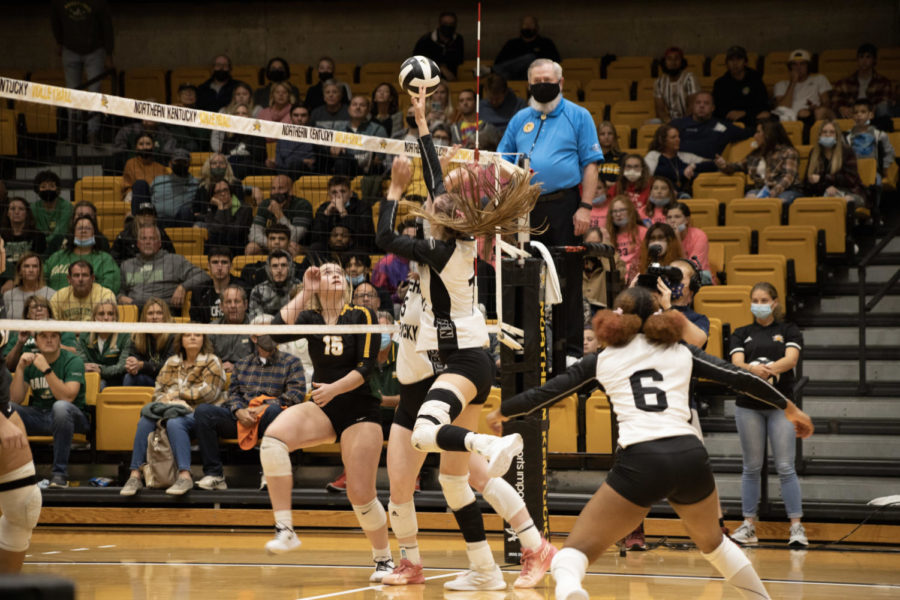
544	92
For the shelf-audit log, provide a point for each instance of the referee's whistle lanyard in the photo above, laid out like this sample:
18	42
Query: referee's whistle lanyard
536	136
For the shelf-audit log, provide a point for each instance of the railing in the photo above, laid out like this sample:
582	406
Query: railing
867	307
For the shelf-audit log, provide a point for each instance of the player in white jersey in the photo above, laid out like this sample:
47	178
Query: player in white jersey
646	375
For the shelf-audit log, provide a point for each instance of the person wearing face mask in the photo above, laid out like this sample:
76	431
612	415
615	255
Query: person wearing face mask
216	168
694	241
513	59
143	166
600	205
80	244
662	197
284	208
52	212
216	92
383	379
172	195
443	45
277	70
773	165
410	133
674	86
770	349
833	169
593	283
625	233
315	94
634	183
164	143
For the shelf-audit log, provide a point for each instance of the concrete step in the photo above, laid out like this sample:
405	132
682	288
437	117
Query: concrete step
849	336
728	445
880	273
840	407
850	304
848	370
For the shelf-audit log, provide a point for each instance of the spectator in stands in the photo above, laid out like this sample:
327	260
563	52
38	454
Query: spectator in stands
693	239
206	304
440	107
593	282
666	159
28	282
262	385
611	165
37	308
104	353
463	130
80	245
269	296
294	158
20	236
86	208
358	162
805	96
866	83
633	183
443	45
517	53
246	153
172	195
833	169
143	166
625	233
193	375
333	110
682	300
56	378
410	133
155	273
337	249
500	104
385	108
277	71
228	219
366	294
76	301
315	95
674	88
383	378
705	135
740	94
217	91
600	206
192	139
772	166
392	270
232	347
668	246
278	104
866	140
662	197
125	245
147	352
440	133
770	349
84	39
242	95
52	212
345	208
125	142
278	237
283	208
358	267
590	340
217	168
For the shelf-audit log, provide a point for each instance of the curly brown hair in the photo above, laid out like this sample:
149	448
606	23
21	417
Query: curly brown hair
636	310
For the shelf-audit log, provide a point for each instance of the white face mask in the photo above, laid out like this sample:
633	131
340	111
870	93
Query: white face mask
631	175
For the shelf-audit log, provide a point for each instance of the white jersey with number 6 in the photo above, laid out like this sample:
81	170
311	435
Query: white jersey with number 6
647	385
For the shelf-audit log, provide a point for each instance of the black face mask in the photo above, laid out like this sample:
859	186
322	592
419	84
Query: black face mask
447	30
325	75
48	195
544	92
221	75
180	169
528	33
276	75
279	198
411	121
143	154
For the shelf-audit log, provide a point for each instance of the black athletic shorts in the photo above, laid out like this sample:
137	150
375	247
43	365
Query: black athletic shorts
476	365
676	468
349	409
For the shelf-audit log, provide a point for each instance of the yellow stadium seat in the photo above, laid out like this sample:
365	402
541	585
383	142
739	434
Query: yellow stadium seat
794	130
249	74
889	181
777	63
632	68
645	88
717	66
716	257
750	269
563	434
40	119
596	108
91	388
192	75
570	88
241	261
128	313
797	242
623	132
492	402
188	240
645	136
839	63
466	71
9	145
634	113
714	342
719	186
598	435
735	238
103	190
455	88
706	84
607	90
695	63
147	82
735	153
728	303
519	88
111	216
263	182
198	159
270	150
383	71
199	260
118	411
299	73
829	214
580	69
755	213
345	72
803	152
843	124
704	212
868	169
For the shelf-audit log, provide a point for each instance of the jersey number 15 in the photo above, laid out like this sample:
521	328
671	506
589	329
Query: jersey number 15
334	345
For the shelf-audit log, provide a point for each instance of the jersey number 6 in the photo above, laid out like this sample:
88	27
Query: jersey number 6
641	391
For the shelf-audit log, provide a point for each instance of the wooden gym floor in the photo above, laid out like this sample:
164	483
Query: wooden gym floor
143	564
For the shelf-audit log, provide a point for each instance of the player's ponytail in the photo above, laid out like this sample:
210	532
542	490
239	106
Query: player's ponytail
636	310
665	328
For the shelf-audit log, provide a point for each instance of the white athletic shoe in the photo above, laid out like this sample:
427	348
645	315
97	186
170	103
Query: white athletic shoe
285	540
501	453
475	580
571	594
745	534
798	536
382	568
212	482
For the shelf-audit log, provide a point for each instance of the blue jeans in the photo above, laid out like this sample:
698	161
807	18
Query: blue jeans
214	422
93	64
753	427
138	380
179	431
62	421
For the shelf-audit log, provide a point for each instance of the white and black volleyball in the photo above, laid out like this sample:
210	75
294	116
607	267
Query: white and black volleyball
417	72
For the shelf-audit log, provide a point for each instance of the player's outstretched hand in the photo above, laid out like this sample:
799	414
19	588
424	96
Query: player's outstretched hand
802	423
495	421
401	174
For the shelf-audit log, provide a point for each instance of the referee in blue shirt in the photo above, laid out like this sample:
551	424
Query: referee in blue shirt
560	140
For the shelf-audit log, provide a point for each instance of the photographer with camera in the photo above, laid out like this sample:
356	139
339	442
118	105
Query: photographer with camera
594	285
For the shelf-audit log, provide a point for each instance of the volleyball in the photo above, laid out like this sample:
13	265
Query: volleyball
417	72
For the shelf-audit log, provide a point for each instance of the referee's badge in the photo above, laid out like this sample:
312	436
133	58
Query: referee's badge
529	127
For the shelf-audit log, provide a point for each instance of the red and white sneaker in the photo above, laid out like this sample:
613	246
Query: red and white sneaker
535	564
406	573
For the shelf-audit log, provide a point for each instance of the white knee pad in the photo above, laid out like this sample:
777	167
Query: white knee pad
21	509
446	385
502	497
403	519
728	559
456	490
274	457
433	415
371	516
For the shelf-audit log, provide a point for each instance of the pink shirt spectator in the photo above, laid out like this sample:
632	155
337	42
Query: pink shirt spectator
598	214
657	216
630	250
696	244
638	197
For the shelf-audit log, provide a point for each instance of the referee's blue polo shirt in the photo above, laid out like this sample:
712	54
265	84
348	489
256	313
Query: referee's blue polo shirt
566	144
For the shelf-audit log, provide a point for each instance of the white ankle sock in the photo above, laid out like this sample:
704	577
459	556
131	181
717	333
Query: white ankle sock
284	519
568	568
735	567
381	553
411	553
529	536
480	555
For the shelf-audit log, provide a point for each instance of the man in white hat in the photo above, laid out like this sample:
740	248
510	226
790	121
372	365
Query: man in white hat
803	96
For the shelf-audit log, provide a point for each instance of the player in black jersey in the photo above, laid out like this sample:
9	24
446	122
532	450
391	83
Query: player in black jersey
342	409
646	374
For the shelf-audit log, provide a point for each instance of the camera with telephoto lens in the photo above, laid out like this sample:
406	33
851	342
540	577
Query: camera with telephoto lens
671	275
